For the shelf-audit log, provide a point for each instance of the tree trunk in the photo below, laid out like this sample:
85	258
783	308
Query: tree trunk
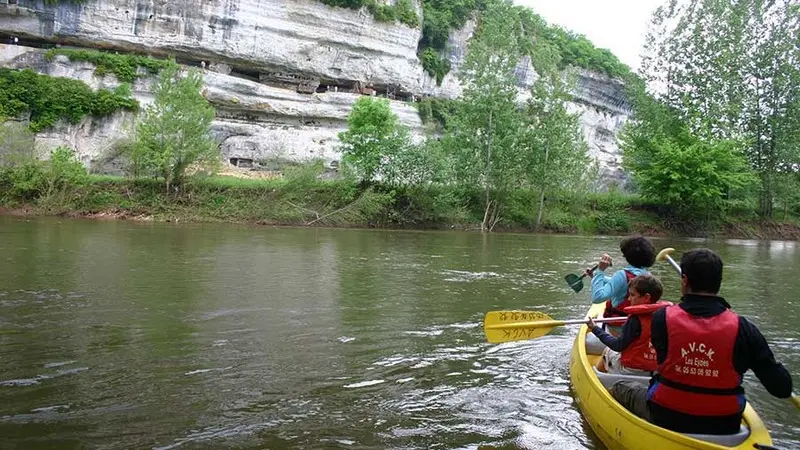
485	226
541	195
765	200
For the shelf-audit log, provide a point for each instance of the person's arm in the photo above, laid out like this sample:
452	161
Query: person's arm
751	351
630	332
658	334
604	287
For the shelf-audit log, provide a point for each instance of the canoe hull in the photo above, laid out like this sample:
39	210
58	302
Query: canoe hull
618	429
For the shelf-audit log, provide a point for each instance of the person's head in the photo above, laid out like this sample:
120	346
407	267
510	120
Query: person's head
644	289
638	251
701	272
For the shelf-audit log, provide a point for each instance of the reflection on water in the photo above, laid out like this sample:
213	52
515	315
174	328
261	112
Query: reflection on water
126	335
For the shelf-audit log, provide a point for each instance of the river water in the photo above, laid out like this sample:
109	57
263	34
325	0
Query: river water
141	335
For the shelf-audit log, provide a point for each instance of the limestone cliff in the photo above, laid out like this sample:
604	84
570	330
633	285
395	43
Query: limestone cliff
281	73
275	40
254	121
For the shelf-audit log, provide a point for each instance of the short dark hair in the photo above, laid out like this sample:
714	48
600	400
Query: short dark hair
638	251
647	284
703	270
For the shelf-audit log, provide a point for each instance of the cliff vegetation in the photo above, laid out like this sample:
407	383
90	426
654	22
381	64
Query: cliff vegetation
46	100
124	66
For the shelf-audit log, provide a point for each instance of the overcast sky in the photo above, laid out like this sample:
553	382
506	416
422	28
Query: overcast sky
618	25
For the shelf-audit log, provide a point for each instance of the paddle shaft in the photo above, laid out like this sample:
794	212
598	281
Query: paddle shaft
551	323
674	264
590	270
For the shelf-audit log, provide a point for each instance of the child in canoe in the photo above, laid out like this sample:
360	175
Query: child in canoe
632	353
613	290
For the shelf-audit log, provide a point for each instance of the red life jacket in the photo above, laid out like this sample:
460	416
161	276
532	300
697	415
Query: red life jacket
617	311
640	354
697	376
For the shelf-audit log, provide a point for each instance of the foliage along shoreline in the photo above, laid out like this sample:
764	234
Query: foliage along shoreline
303	200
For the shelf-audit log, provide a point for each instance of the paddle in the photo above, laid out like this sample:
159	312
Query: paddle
663	255
575	281
509	326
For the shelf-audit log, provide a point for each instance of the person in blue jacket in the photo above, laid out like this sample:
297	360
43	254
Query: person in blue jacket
613	290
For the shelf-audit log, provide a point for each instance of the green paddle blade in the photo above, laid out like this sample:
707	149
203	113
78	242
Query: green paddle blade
574	281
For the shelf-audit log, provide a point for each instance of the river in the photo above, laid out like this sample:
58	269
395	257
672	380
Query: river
149	335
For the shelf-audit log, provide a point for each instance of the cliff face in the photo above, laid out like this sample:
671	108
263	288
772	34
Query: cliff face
254	121
282	74
276	40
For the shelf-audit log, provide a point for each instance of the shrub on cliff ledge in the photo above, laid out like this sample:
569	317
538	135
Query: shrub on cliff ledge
402	11
175	131
124	66
49	99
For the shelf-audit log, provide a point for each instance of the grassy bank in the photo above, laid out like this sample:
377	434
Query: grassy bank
304	200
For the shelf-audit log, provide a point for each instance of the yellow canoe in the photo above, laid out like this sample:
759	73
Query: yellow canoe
618	429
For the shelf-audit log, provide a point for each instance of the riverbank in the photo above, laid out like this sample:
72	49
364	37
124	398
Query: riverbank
305	200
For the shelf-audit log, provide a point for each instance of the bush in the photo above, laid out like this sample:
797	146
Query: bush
674	167
49	99
435	65
23	181
64	172
436	110
559	221
124	66
403	11
28	179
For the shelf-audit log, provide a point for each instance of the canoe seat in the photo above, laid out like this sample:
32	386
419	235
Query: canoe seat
728	440
608	379
593	345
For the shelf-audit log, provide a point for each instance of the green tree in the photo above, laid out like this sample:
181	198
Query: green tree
373	139
484	131
731	71
174	133
556	149
675	167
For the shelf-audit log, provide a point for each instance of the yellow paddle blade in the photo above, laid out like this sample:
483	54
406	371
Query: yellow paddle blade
663	254
509	326
796	401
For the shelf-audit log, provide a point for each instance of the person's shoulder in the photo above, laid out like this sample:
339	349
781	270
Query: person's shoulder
635	271
623	273
661	313
745	323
